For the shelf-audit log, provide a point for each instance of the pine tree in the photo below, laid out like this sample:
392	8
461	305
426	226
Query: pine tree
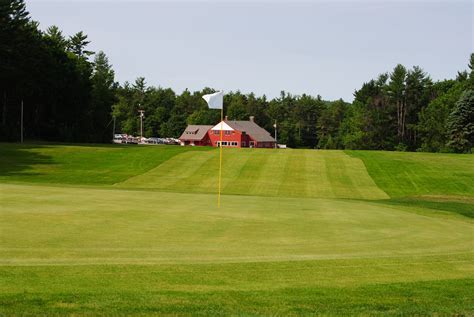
55	35
103	97
77	44
396	91
461	124
471	74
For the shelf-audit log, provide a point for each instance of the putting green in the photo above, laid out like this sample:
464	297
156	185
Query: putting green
53	225
288	173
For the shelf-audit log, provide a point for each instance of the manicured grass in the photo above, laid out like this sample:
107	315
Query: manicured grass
81	164
199	290
402	174
136	230
287	173
460	205
290	173
45	225
88	250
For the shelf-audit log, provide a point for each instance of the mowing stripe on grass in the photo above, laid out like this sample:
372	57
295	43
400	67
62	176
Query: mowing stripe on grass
284	173
171	173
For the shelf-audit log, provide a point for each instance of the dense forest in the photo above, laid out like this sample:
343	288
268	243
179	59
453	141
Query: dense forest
69	94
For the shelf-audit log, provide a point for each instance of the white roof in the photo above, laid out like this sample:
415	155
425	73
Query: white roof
225	127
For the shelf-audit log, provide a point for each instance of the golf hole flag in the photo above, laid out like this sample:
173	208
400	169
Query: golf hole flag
216	101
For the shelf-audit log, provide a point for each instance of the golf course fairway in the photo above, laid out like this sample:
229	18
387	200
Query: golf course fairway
135	230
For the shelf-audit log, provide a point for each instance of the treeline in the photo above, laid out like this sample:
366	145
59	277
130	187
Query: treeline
399	110
66	95
70	94
405	110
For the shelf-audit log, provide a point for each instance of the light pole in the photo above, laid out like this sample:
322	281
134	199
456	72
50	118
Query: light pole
142	114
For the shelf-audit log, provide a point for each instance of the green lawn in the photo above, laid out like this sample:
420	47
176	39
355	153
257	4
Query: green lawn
402	174
81	164
136	230
290	173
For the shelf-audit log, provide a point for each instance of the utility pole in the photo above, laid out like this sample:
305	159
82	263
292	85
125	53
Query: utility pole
21	122
276	142
113	131
142	114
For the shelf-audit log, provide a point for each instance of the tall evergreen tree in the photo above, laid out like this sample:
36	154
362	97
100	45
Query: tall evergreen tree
396	92
417	97
103	97
461	124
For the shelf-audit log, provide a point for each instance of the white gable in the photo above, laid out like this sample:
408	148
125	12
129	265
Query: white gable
225	127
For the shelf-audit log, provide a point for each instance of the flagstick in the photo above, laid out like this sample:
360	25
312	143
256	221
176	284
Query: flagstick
216	101
220	162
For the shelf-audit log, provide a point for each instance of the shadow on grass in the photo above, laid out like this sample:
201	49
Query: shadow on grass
17	159
463	208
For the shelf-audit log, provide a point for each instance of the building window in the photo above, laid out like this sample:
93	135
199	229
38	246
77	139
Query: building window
227	132
227	143
216	132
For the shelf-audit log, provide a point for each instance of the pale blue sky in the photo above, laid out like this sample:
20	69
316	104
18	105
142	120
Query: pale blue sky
314	47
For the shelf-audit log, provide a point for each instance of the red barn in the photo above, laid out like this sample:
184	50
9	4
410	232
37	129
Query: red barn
234	134
195	135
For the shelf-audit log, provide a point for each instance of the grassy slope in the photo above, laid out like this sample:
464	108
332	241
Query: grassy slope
290	173
402	174
443	182
76	250
81	164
